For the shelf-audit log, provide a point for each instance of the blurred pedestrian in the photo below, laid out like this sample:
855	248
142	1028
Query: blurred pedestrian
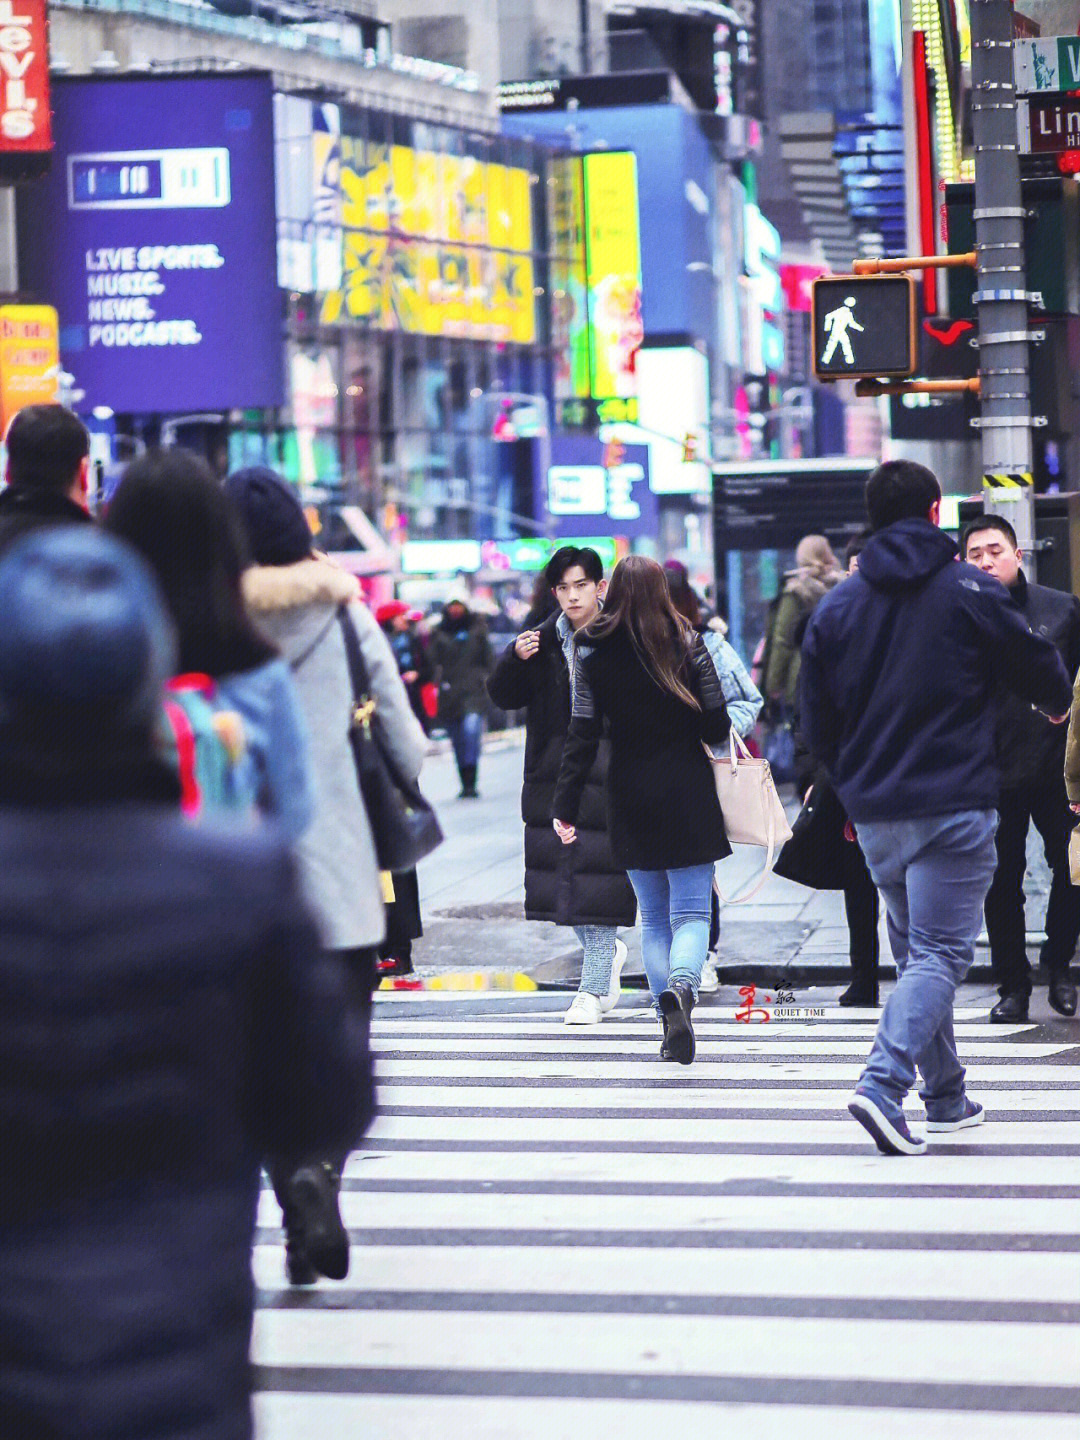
462	659
1031	754
816	572
171	509
641	671
399	627
301	600
542	603
167	1019
899	676
584	887
47	474
743	700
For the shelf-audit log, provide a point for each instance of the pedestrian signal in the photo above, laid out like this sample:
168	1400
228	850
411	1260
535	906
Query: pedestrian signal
864	327
689	449
614	454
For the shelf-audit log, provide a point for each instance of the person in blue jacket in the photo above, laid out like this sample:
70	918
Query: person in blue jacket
901	667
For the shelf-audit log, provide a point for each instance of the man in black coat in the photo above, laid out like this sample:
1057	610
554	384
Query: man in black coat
901	667
167	1019
47	476
1031	755
578	885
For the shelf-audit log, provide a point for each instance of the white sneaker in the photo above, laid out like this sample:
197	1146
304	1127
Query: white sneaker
710	981
584	1010
611	999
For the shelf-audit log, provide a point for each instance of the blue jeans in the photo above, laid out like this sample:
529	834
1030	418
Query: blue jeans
598	944
465	736
674	908
934	874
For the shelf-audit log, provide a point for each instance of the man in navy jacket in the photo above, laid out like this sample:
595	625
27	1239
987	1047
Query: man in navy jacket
901	665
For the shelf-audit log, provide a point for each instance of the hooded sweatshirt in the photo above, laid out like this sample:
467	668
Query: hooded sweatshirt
900	667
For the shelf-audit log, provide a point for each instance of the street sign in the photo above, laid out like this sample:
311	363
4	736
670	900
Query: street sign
864	327
1050	63
1049	124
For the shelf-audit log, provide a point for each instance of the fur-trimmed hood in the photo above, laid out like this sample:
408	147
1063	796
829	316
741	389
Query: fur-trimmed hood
316	581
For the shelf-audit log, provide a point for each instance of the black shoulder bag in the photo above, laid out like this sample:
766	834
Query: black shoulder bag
404	825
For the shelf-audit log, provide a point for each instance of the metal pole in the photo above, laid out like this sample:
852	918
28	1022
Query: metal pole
1001	295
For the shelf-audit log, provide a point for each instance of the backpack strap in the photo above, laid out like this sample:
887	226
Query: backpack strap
190	794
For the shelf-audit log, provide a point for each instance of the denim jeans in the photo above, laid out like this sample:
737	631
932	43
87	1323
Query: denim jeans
598	943
934	874
674	908
465	736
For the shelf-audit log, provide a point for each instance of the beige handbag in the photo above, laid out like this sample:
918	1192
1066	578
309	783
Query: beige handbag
1074	856
752	809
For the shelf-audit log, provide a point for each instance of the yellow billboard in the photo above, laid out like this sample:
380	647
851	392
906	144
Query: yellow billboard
613	272
29	358
434	244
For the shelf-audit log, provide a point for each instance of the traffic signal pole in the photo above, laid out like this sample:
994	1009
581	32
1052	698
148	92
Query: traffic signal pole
1001	294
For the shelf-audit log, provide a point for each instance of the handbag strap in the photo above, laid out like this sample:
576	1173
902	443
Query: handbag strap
770	860
354	656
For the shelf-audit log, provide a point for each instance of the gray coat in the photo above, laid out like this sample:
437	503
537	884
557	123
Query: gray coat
296	606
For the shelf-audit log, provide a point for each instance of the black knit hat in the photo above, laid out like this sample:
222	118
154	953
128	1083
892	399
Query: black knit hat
277	529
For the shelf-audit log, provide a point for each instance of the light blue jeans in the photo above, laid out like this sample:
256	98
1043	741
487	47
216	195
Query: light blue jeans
598	943
934	874
674	908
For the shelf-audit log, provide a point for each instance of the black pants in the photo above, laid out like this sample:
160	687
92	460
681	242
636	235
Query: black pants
1005	922
861	909
362	979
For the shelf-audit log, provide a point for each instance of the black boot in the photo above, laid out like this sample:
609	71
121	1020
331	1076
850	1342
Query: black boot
1062	995
468	783
862	992
1011	1007
298	1268
676	1003
314	1221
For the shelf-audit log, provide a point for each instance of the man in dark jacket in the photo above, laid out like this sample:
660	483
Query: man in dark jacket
168	1017
48	450
901	667
578	885
1031	754
462	659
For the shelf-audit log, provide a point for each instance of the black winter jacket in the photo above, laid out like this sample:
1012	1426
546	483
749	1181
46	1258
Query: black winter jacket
166	1019
27	508
462	659
662	808
1031	751
901	666
570	884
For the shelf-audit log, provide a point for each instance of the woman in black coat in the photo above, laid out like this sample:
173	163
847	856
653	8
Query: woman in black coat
583	887
644	677
462	658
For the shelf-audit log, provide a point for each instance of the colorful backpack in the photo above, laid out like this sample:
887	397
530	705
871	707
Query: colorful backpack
208	746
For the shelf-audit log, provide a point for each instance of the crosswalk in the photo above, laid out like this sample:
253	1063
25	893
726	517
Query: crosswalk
556	1233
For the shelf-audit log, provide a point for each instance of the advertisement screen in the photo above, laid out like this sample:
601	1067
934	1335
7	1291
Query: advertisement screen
569	302
25	121
613	272
29	358
154	238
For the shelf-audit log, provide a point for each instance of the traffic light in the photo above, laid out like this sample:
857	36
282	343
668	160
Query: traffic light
689	448
864	327
614	454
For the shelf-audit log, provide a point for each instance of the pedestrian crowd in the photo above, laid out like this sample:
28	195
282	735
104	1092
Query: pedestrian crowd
210	824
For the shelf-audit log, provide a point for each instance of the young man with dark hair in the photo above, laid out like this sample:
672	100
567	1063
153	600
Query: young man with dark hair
48	464
1031	754
579	885
901	667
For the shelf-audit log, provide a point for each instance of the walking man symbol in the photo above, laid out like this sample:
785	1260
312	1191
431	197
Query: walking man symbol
837	324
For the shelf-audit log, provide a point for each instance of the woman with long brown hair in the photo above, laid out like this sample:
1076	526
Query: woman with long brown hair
643	676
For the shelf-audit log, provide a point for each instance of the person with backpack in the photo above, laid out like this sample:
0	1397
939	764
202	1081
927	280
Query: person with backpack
643	676
173	511
303	601
167	1020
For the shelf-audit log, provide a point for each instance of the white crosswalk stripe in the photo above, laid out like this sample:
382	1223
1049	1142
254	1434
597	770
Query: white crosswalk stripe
556	1232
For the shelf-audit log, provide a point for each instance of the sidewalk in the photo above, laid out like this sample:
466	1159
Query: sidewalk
472	894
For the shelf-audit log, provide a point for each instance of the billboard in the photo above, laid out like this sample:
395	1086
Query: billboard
160	255
393	233
674	404
29	358
583	496
613	272
25	120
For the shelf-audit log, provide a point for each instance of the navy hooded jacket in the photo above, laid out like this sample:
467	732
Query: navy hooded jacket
900	667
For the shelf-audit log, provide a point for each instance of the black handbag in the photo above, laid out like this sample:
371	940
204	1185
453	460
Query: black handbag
405	827
816	853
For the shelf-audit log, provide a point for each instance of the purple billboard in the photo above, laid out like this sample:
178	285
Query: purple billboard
155	238
585	498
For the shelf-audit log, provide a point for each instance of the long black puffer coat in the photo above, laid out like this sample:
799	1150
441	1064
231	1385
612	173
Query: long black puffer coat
570	884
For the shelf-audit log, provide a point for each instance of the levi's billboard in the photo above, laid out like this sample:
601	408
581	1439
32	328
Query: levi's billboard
154	237
25	122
